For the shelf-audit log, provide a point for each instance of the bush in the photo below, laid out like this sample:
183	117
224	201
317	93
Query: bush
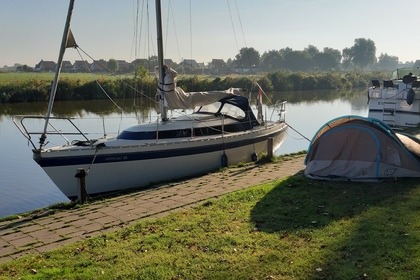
28	90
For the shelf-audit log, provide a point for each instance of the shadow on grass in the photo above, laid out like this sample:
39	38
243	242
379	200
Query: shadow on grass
355	230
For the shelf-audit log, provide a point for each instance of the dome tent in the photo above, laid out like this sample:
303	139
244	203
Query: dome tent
363	149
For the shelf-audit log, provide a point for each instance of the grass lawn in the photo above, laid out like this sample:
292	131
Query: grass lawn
291	229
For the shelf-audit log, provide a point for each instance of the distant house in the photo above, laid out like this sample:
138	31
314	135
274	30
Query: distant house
66	66
218	66
124	66
98	66
169	62
190	66
45	66
190	63
80	66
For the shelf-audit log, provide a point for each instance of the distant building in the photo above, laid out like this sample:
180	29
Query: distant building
80	66
66	66
218	66
169	62
190	63
45	66
124	66
98	66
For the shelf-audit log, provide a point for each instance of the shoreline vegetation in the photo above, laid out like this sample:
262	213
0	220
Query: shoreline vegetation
35	87
289	228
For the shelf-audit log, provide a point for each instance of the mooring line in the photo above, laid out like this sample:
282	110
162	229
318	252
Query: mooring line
298	132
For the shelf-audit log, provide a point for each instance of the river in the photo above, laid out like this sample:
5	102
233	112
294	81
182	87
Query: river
25	187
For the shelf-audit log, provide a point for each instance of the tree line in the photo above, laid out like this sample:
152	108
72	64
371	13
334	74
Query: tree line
361	56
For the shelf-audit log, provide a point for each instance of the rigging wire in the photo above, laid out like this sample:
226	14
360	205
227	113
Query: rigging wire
136	42
171	15
106	69
240	23
136	31
97	82
191	41
233	26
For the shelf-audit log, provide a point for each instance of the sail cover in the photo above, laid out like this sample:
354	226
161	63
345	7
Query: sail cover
177	98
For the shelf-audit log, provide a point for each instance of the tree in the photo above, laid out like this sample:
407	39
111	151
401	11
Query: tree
363	52
112	65
141	72
387	62
328	59
312	50
347	55
24	68
297	61
248	58
271	60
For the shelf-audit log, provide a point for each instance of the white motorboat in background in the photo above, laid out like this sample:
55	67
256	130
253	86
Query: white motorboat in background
397	101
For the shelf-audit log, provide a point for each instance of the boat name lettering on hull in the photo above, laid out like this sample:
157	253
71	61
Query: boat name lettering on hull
120	158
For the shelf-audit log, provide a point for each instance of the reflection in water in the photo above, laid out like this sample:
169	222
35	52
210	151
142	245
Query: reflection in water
24	186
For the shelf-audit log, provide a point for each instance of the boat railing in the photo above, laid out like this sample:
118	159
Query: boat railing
280	107
28	133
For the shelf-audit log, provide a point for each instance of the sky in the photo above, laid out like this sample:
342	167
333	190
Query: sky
204	29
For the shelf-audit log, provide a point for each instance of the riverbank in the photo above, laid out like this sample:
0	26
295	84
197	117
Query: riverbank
35	87
285	227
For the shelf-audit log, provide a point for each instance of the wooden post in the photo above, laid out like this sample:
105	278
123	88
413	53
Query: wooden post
270	142
81	176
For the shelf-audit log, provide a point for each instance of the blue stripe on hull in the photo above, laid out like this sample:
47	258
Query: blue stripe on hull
133	156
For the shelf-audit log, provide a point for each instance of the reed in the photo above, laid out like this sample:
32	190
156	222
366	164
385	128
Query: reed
29	87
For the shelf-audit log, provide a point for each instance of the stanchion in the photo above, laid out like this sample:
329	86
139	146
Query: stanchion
81	176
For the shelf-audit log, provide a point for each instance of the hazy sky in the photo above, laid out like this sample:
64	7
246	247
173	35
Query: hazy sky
31	30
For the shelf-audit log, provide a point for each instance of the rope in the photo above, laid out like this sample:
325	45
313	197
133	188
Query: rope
298	132
98	147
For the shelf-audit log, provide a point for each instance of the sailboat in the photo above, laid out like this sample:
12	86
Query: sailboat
222	130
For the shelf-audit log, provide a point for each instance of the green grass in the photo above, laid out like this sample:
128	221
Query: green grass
18	77
290	229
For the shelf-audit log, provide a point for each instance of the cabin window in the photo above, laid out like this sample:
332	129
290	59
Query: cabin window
212	108
232	111
227	109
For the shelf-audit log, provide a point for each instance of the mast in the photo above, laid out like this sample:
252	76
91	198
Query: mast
163	107
57	73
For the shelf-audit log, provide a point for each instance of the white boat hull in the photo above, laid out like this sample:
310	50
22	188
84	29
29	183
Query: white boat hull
391	107
118	167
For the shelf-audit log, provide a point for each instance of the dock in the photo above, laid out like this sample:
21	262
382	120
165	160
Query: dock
51	229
